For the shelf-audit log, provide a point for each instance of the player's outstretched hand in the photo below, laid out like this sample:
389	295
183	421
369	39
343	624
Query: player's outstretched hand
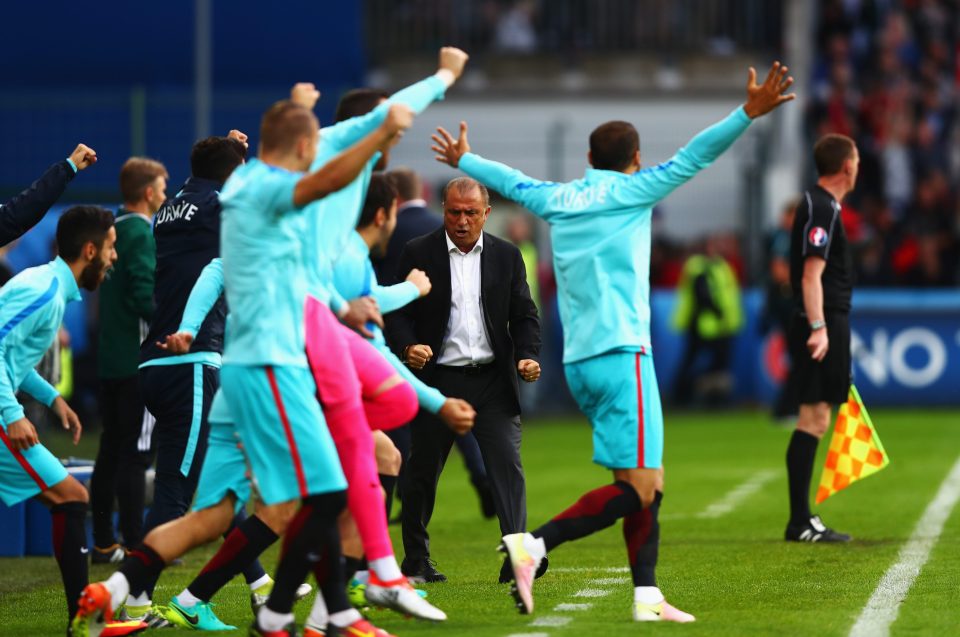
399	118
178	343
453	59
68	417
83	156
240	136
420	279
763	98
305	94
458	415
818	344
449	150
529	370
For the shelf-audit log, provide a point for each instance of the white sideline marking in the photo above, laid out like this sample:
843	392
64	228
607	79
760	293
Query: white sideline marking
559	608
529	635
587	569
552	620
607	581
738	494
592	592
884	605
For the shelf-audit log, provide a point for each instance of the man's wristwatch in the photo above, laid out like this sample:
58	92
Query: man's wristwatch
817	325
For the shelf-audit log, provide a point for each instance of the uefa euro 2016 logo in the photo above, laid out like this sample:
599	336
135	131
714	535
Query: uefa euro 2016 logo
818	237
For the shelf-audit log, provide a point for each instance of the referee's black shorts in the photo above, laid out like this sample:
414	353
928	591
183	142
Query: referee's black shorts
827	381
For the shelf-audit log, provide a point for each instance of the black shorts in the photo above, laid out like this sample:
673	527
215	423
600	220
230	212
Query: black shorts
827	381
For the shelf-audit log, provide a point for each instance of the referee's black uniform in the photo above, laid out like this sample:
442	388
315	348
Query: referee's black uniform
817	232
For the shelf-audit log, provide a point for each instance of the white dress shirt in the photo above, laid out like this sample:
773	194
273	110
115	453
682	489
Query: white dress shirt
466	341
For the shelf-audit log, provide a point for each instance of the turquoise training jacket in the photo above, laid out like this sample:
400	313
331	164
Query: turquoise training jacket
31	311
600	230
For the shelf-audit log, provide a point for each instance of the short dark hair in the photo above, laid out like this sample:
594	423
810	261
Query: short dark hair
380	194
831	151
81	225
214	158
407	182
136	174
613	145
283	124
359	101
465	184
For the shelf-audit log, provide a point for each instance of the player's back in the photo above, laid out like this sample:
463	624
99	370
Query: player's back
263	268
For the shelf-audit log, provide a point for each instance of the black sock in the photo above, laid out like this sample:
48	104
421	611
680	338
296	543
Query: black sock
594	511
69	547
350	567
330	573
389	484
254	570
142	568
801	454
641	531
241	548
307	539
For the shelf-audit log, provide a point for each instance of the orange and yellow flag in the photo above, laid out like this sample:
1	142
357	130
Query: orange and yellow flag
855	449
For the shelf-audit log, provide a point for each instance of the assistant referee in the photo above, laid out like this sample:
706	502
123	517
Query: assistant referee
821	274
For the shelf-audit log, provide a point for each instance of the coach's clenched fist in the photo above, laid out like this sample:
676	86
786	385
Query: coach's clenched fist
529	370
416	356
83	156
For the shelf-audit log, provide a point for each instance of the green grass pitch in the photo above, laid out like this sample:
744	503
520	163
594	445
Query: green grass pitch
732	570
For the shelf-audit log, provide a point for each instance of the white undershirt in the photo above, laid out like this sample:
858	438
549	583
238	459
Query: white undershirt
466	341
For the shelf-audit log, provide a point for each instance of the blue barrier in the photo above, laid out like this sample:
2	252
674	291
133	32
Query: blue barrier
905	346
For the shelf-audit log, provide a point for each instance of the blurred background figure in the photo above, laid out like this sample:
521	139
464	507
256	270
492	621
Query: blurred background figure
520	234
126	307
709	312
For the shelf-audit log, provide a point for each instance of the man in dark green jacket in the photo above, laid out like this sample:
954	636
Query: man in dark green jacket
126	307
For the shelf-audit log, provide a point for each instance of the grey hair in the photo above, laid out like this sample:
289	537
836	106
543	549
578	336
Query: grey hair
464	185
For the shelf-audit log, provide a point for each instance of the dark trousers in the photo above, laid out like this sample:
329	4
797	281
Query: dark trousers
122	462
179	397
497	431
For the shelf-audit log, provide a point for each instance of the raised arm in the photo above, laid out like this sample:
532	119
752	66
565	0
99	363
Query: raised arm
26	209
344	168
530	193
650	185
416	96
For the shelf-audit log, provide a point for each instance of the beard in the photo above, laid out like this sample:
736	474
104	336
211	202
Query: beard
92	274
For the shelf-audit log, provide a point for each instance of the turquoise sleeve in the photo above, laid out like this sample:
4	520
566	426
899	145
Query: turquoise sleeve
203	297
428	397
417	96
10	409
393	297
650	185
15	303
530	193
42	391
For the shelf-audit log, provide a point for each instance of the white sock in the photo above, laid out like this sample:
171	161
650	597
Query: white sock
260	582
187	599
318	614
140	600
119	588
269	620
534	545
386	568
647	595
362	576
345	617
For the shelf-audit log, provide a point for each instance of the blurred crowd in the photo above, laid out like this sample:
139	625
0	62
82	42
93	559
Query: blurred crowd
886	74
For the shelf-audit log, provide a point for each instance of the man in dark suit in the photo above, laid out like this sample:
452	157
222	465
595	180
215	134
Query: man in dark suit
472	337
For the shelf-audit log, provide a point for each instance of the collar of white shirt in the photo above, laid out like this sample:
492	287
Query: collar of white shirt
451	246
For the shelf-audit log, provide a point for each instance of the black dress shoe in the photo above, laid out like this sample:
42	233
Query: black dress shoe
506	571
423	571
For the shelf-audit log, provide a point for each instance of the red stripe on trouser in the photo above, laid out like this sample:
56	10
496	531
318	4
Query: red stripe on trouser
294	453
23	461
639	415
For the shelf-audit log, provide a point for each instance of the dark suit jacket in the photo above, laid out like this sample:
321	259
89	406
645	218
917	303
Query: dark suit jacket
508	311
412	222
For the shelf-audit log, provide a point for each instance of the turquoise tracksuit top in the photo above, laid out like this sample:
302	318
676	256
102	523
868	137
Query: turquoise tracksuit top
31	311
329	222
353	277
600	230
262	267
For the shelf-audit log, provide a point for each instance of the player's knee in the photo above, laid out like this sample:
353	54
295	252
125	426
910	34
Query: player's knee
278	516
644	483
68	490
388	456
